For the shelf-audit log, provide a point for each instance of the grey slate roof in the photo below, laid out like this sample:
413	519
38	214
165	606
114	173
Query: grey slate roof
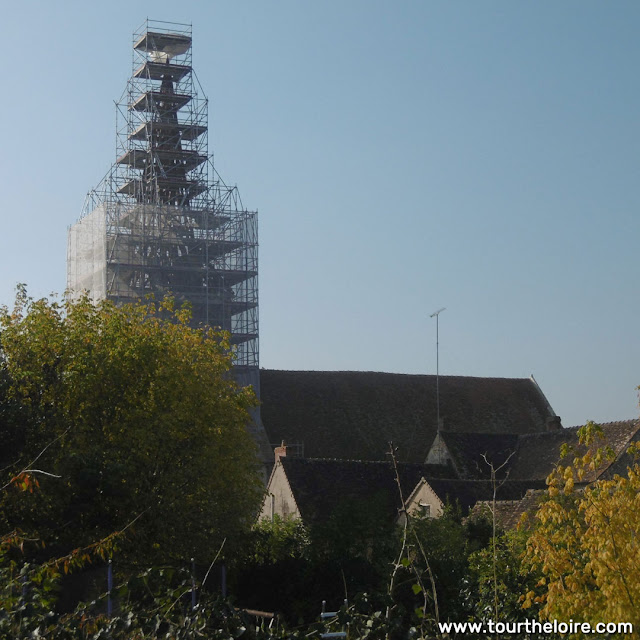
353	415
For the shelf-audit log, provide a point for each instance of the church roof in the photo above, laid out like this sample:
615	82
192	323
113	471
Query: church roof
351	414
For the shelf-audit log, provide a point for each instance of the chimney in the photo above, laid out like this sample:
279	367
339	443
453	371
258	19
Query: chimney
553	423
281	451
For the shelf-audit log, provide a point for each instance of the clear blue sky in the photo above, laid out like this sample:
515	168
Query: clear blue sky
481	156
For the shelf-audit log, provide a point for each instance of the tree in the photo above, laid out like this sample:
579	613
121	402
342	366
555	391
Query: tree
137	413
438	550
586	543
499	568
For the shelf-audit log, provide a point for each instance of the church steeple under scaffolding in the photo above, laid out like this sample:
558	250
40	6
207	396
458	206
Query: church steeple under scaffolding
162	221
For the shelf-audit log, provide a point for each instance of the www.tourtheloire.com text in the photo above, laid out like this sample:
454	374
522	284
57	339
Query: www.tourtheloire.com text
534	626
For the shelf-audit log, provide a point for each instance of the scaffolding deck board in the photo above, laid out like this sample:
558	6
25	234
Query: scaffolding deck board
179	130
160	70
191	188
158	101
140	158
169	43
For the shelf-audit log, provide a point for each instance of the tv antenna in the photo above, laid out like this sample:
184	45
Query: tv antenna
436	315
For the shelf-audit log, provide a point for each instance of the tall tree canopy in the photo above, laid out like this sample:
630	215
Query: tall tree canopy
137	413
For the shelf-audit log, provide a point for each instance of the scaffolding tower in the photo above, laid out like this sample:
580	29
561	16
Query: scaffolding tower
162	221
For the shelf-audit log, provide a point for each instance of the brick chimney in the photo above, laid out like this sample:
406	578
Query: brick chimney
553	423
281	451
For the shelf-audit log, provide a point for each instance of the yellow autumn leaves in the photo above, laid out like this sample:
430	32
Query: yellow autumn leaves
587	542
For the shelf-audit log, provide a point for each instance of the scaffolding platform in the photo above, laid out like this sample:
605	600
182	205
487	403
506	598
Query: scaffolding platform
165	42
185	188
160	70
185	159
172	130
157	101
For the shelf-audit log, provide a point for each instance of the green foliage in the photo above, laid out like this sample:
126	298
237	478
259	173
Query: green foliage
26	596
355	529
137	414
514	579
365	618
291	568
273	541
436	559
157	603
154	604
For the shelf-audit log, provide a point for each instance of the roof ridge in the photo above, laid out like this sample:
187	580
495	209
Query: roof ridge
528	481
510	501
544	433
602	424
397	373
483	433
340	460
360	461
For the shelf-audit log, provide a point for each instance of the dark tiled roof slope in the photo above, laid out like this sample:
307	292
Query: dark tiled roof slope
349	414
624	460
467	492
319	486
509	512
469	451
538	453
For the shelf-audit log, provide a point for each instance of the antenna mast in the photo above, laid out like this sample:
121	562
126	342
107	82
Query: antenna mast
436	314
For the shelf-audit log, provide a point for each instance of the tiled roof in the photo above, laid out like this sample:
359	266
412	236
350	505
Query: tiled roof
474	453
620	465
319	485
349	414
532	456
468	492
509	512
538	453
